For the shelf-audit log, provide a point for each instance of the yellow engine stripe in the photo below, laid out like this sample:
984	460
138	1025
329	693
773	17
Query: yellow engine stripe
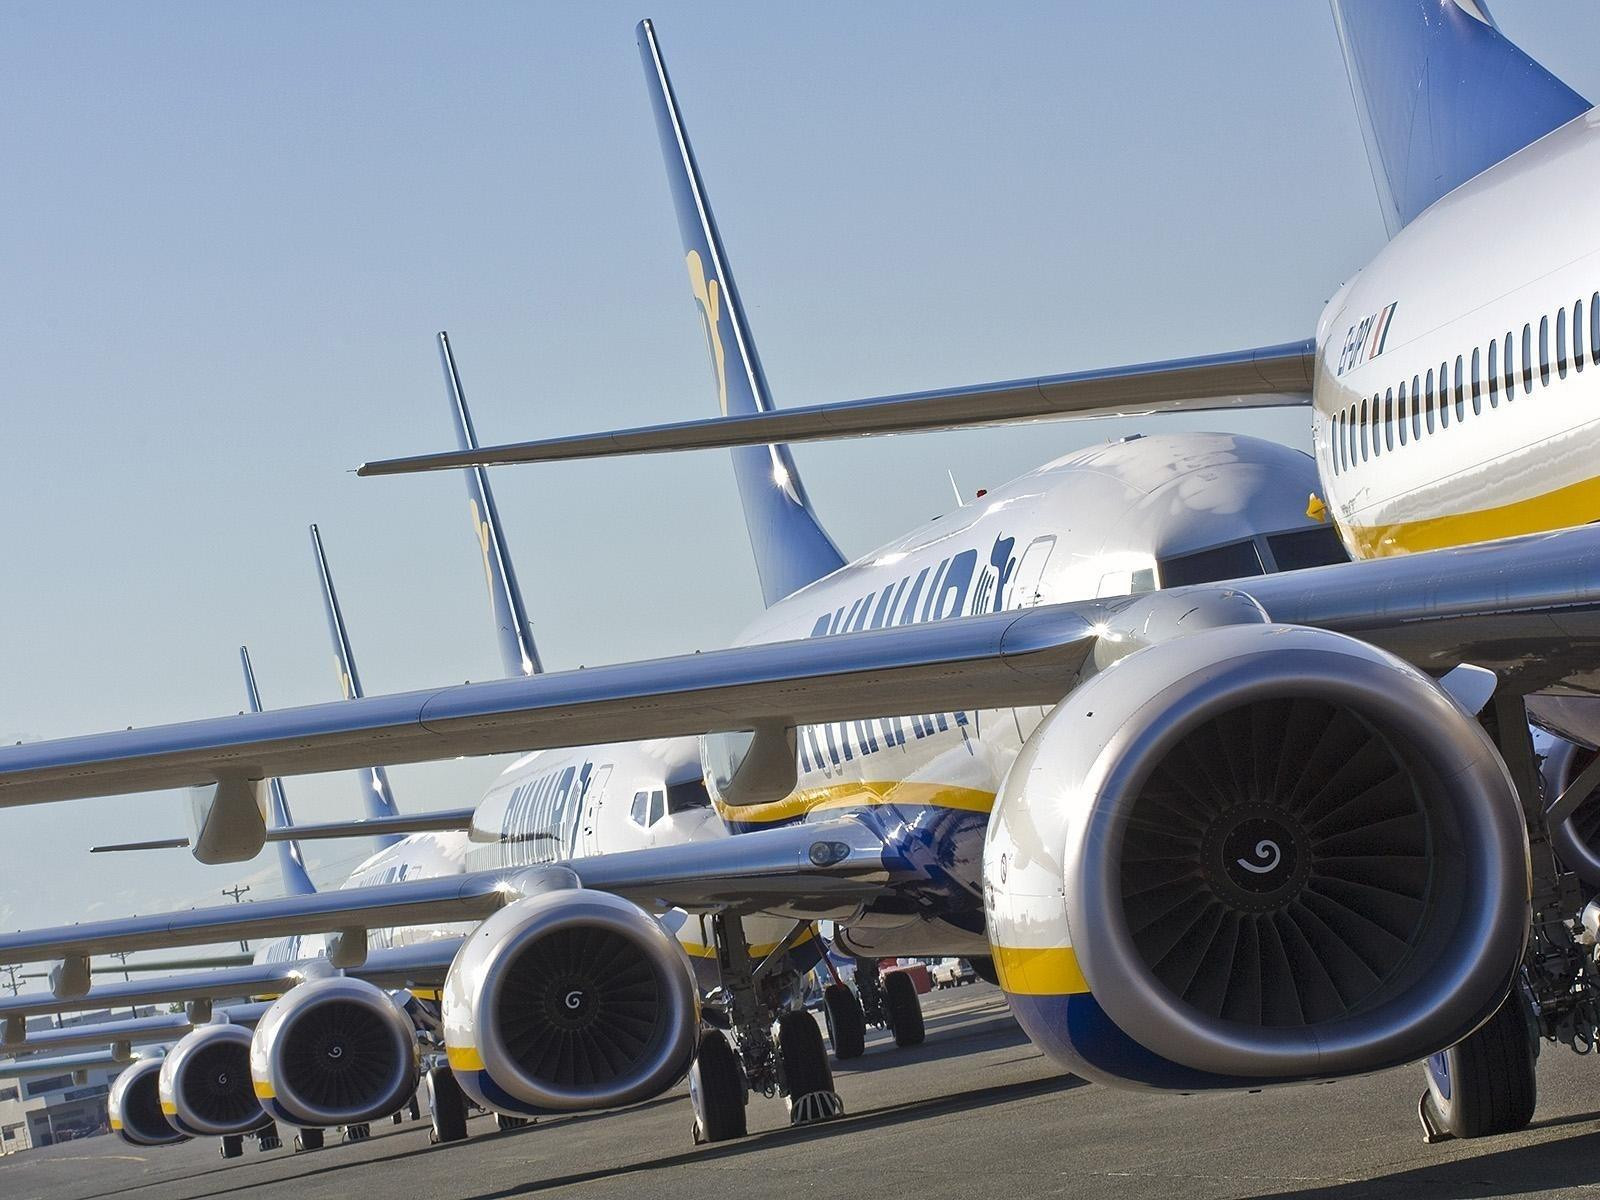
1575	504
168	1110
862	795
116	1125
1052	971
264	1090
464	1058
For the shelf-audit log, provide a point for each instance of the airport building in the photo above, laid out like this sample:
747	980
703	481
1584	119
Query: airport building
44	1109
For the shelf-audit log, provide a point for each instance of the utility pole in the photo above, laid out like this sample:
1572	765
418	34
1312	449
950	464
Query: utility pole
237	892
11	979
122	957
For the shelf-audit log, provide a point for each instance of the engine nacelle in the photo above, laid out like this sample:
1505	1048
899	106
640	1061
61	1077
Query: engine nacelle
334	1051
134	1106
569	1000
1254	855
1577	839
204	1083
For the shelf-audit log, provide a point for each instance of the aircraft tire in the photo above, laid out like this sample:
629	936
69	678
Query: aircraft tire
268	1139
308	1139
717	1090
847	1024
804	1057
1486	1084
233	1146
904	1007
983	968
505	1124
448	1105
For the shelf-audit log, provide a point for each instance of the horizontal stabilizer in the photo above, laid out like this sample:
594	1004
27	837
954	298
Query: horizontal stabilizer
423	822
1272	376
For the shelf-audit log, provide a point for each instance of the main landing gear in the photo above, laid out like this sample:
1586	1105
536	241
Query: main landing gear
447	1106
268	1139
308	1139
773	1050
1485	1084
847	1023
505	1123
890	1002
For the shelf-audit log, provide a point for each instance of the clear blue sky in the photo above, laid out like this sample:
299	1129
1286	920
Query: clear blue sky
230	233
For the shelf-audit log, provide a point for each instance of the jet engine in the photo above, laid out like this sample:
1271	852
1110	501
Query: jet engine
1577	839
204	1083
134	1105
1250	855
567	1000
334	1051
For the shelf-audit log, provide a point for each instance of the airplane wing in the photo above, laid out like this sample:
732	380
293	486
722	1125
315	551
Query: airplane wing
421	965
424	822
1270	376
1525	606
29	1068
803	871
158	1027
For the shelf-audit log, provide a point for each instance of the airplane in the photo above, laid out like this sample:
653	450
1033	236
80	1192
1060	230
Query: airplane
1266	823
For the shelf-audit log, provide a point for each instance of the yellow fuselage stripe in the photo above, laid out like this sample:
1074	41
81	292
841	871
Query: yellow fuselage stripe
1052	971
862	795
1575	504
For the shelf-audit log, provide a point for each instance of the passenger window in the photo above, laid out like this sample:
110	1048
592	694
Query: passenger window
1477	384
1363	430
1388	423
658	806
1544	351
1403	418
1577	334
1594	328
1561	344
1494	374
1527	360
640	811
1427	405
1509	366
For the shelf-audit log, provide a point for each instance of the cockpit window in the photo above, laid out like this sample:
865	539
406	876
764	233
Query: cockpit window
1207	566
639	813
1307	548
658	806
681	797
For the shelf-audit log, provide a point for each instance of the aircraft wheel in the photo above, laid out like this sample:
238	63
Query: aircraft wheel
414	1109
807	1077
847	1024
308	1139
1485	1084
983	968
717	1090
904	1007
357	1133
448	1106
268	1138
233	1146
505	1124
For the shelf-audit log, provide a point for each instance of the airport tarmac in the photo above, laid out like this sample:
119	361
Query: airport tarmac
976	1111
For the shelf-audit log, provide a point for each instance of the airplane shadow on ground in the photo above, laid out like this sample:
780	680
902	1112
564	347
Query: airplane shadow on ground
1516	1171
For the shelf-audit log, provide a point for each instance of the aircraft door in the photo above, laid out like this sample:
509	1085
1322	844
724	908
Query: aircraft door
586	837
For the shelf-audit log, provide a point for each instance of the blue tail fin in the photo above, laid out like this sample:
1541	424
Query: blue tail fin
296	882
376	797
1442	95
512	629
791	547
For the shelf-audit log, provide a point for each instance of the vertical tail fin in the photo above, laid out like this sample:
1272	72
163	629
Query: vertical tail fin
376	797
1442	95
292	865
512	628
791	547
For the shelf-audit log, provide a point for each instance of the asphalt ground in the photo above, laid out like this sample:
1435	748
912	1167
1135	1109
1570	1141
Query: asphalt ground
974	1112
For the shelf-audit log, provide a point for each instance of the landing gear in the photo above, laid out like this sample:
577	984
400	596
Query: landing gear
717	1090
448	1106
415	1109
904	1009
505	1124
268	1139
233	1146
847	1024
869	986
807	1079
357	1133
308	1139
1485	1084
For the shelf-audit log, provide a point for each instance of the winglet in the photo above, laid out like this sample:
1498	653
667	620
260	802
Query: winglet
791	547
513	630
291	863
376	796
